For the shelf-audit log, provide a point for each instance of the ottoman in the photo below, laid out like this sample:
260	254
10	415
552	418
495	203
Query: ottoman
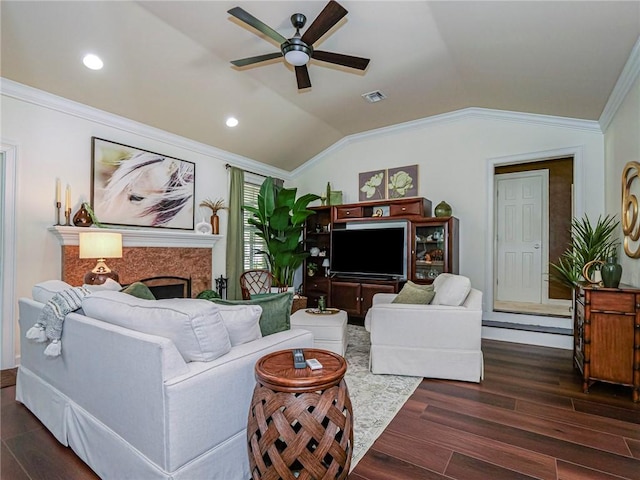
329	329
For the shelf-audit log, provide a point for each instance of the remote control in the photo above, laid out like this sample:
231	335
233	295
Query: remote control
298	358
314	364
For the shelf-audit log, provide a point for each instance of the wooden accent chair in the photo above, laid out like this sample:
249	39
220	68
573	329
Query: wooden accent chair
255	281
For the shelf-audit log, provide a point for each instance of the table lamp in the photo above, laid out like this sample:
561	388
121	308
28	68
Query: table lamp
325	264
100	245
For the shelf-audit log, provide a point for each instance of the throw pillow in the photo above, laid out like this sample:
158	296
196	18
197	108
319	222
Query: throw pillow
412	293
242	322
276	311
452	290
208	294
44	291
195	326
139	290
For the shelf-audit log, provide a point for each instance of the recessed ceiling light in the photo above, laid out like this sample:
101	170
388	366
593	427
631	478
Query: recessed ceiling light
92	61
232	122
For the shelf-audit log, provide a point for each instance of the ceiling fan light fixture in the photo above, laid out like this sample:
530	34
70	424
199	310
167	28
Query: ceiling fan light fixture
296	52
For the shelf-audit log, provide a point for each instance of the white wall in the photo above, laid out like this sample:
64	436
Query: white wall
52	137
622	145
453	153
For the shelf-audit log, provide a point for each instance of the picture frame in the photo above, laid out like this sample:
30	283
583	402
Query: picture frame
372	185
402	182
134	187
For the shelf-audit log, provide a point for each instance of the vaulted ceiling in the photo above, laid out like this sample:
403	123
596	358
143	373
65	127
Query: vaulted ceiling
167	64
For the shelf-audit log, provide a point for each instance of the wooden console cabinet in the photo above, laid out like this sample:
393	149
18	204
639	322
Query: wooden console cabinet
355	296
607	336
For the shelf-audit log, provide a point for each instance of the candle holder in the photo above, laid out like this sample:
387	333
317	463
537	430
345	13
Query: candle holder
67	217
58	206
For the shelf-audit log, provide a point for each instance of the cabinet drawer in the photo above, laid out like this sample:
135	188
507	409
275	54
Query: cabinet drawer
348	212
408	208
613	302
317	284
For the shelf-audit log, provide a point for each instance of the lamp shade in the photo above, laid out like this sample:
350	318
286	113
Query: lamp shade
100	245
325	262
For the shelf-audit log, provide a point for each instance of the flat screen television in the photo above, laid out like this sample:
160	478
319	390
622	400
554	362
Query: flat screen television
370	250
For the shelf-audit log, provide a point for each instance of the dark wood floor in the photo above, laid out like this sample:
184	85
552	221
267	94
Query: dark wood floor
527	419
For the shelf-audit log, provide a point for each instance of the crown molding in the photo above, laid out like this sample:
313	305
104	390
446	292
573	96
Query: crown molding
158	237
455	116
629	75
24	93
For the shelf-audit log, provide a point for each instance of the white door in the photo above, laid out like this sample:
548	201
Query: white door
520	221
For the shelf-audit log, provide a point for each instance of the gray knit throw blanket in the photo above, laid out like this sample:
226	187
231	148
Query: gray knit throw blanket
51	319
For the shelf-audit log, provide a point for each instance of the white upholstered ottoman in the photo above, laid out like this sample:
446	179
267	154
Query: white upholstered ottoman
329	330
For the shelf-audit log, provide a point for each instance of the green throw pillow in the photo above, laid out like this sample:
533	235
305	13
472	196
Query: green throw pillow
139	290
416	294
208	294
276	311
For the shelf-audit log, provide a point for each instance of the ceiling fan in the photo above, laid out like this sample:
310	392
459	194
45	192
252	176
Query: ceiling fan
298	50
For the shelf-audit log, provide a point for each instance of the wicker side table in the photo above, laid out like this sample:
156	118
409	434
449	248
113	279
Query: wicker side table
300	421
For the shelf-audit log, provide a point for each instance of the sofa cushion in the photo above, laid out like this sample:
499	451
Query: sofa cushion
451	290
415	294
44	291
195	326
242	322
276	310
139	290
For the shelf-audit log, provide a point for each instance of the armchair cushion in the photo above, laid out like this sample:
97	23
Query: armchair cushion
451	289
415	294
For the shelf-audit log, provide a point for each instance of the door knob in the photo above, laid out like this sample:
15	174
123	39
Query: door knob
536	246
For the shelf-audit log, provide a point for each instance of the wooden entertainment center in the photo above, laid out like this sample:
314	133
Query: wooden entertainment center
432	248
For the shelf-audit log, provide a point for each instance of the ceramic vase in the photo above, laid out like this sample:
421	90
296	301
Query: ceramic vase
611	273
82	218
443	209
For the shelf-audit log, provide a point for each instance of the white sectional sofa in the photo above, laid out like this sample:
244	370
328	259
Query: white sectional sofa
126	400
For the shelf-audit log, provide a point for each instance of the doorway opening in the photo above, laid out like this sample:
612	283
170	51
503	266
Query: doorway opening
533	208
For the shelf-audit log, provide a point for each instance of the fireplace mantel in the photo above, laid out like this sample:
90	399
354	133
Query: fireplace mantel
140	238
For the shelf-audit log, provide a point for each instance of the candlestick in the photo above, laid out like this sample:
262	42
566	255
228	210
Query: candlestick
57	190
67	217
58	205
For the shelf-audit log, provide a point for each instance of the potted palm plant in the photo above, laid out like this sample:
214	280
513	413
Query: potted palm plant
589	243
280	219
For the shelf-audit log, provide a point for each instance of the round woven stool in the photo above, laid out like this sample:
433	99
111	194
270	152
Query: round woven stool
300	421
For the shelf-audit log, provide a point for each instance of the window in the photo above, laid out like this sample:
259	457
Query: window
252	242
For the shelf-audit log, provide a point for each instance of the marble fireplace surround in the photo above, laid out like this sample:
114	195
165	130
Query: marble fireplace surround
145	254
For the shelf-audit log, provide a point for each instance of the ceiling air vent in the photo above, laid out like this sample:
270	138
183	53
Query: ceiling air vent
373	97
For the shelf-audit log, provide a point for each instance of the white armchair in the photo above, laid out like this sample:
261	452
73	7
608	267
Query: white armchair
433	341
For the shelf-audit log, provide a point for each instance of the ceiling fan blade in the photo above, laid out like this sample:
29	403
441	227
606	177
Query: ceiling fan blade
329	16
249	19
243	62
302	76
341	59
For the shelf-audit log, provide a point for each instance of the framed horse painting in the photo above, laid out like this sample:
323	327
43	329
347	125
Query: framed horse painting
135	187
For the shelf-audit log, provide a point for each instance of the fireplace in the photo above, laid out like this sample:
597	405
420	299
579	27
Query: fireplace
168	287
147	254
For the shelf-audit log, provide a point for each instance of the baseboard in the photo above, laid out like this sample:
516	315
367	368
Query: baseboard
518	335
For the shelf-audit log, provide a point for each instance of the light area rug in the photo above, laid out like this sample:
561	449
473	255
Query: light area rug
375	399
